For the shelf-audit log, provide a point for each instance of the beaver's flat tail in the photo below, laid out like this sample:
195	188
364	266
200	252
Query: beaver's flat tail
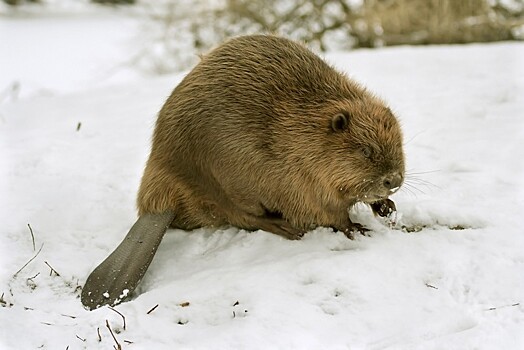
119	274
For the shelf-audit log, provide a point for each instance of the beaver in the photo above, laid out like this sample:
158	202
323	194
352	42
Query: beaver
261	134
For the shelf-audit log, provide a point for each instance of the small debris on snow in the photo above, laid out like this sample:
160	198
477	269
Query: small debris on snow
4	303
182	321
152	309
430	286
238	310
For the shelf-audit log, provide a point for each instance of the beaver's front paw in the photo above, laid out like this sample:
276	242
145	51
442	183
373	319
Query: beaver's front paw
384	207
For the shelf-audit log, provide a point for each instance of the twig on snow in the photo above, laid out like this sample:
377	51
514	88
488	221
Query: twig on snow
152	309
118	346
52	270
32	236
4	303
32	278
430	286
98	332
502	306
123	317
82	339
27	263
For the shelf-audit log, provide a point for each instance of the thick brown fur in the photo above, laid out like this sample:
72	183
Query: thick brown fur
263	134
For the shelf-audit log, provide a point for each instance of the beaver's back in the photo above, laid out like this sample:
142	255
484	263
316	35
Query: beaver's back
238	92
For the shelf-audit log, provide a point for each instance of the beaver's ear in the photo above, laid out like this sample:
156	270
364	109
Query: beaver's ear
340	121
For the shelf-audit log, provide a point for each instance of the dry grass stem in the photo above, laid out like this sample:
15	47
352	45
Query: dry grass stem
117	346
52	270
503	306
123	317
32	236
32	278
152	309
27	263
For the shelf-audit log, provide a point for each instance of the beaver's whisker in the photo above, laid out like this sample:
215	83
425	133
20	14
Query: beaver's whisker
410	172
413	188
423	183
414	137
408	191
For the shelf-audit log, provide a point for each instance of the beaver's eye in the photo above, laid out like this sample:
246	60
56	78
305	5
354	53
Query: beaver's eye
339	122
367	152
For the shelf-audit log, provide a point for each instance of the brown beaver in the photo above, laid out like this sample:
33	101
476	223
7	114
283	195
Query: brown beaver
261	134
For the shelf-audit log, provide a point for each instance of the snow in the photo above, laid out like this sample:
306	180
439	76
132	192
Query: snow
451	279
59	52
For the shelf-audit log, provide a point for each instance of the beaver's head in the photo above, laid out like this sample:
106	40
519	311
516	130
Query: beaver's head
341	138
366	140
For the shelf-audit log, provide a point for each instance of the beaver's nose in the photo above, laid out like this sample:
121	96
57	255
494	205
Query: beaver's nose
392	181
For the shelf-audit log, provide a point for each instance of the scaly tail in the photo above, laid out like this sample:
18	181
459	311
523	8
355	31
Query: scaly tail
119	274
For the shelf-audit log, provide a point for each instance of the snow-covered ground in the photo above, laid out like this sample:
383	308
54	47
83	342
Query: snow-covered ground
71	161
63	50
